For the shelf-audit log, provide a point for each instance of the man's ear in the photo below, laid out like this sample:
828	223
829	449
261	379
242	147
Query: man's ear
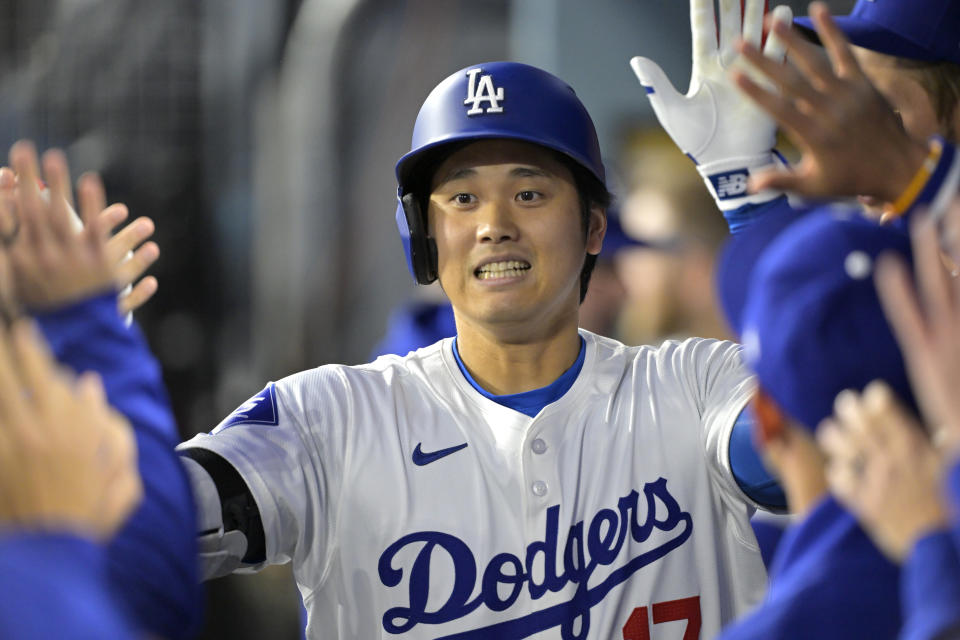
596	230
770	424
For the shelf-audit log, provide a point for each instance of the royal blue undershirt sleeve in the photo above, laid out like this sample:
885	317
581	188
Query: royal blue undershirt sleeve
748	469
930	589
953	491
152	562
55	586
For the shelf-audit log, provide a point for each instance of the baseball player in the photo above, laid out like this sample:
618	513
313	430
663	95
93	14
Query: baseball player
523	479
886	467
812	327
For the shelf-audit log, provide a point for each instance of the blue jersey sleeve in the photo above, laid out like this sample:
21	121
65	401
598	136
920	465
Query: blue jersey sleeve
749	470
56	586
930	589
953	491
152	562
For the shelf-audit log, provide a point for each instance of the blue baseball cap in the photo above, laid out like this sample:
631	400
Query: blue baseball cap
916	29
812	324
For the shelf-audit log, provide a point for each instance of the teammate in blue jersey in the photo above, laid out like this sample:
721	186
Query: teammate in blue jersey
68	281
882	464
812	326
68	481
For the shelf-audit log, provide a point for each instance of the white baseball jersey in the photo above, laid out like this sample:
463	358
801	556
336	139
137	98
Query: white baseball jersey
414	507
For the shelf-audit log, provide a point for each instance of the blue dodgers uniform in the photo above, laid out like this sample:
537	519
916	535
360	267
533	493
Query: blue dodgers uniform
827	581
151	563
812	326
931	589
56	586
931	582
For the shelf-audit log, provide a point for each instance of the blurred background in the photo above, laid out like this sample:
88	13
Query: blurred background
261	138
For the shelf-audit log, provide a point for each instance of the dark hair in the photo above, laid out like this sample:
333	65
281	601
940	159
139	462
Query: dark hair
591	191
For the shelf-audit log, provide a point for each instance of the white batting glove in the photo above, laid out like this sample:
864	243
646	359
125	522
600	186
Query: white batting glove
718	127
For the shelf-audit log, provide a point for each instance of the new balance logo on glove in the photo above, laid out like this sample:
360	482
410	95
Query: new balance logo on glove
730	184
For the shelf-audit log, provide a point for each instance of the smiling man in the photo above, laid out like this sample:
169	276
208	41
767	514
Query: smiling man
524	478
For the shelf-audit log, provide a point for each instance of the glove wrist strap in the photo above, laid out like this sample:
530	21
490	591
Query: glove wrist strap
727	180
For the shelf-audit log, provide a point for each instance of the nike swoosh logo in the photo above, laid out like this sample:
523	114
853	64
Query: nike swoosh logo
420	458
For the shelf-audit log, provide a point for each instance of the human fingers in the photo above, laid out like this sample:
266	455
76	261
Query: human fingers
900	306
790	82
848	409
891	428
125	488
91	196
834	41
807	57
23	159
933	280
844	469
780	108
129	270
9	219
40	377
92	200
128	238
57	177
13	407
8	179
796	179
112	216
138	296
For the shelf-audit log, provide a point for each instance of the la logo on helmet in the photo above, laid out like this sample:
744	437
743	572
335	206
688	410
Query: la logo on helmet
485	92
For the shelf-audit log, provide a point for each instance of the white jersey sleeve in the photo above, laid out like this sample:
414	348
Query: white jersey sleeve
719	386
292	473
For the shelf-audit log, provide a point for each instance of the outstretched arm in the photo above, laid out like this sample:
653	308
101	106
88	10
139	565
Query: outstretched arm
68	481
66	279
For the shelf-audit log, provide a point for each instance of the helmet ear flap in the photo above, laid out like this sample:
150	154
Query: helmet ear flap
422	249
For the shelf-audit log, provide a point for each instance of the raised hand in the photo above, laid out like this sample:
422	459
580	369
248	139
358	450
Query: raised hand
925	318
50	263
128	251
131	255
725	133
68	462
852	141
883	467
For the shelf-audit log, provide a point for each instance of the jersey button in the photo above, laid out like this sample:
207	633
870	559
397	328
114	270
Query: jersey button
539	488
538	446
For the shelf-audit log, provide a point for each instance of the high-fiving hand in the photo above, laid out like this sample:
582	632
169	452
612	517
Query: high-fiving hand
724	132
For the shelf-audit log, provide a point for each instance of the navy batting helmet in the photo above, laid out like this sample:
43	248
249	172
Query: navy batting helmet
490	100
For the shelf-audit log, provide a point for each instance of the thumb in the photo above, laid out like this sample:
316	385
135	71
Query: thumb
779	179
665	100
